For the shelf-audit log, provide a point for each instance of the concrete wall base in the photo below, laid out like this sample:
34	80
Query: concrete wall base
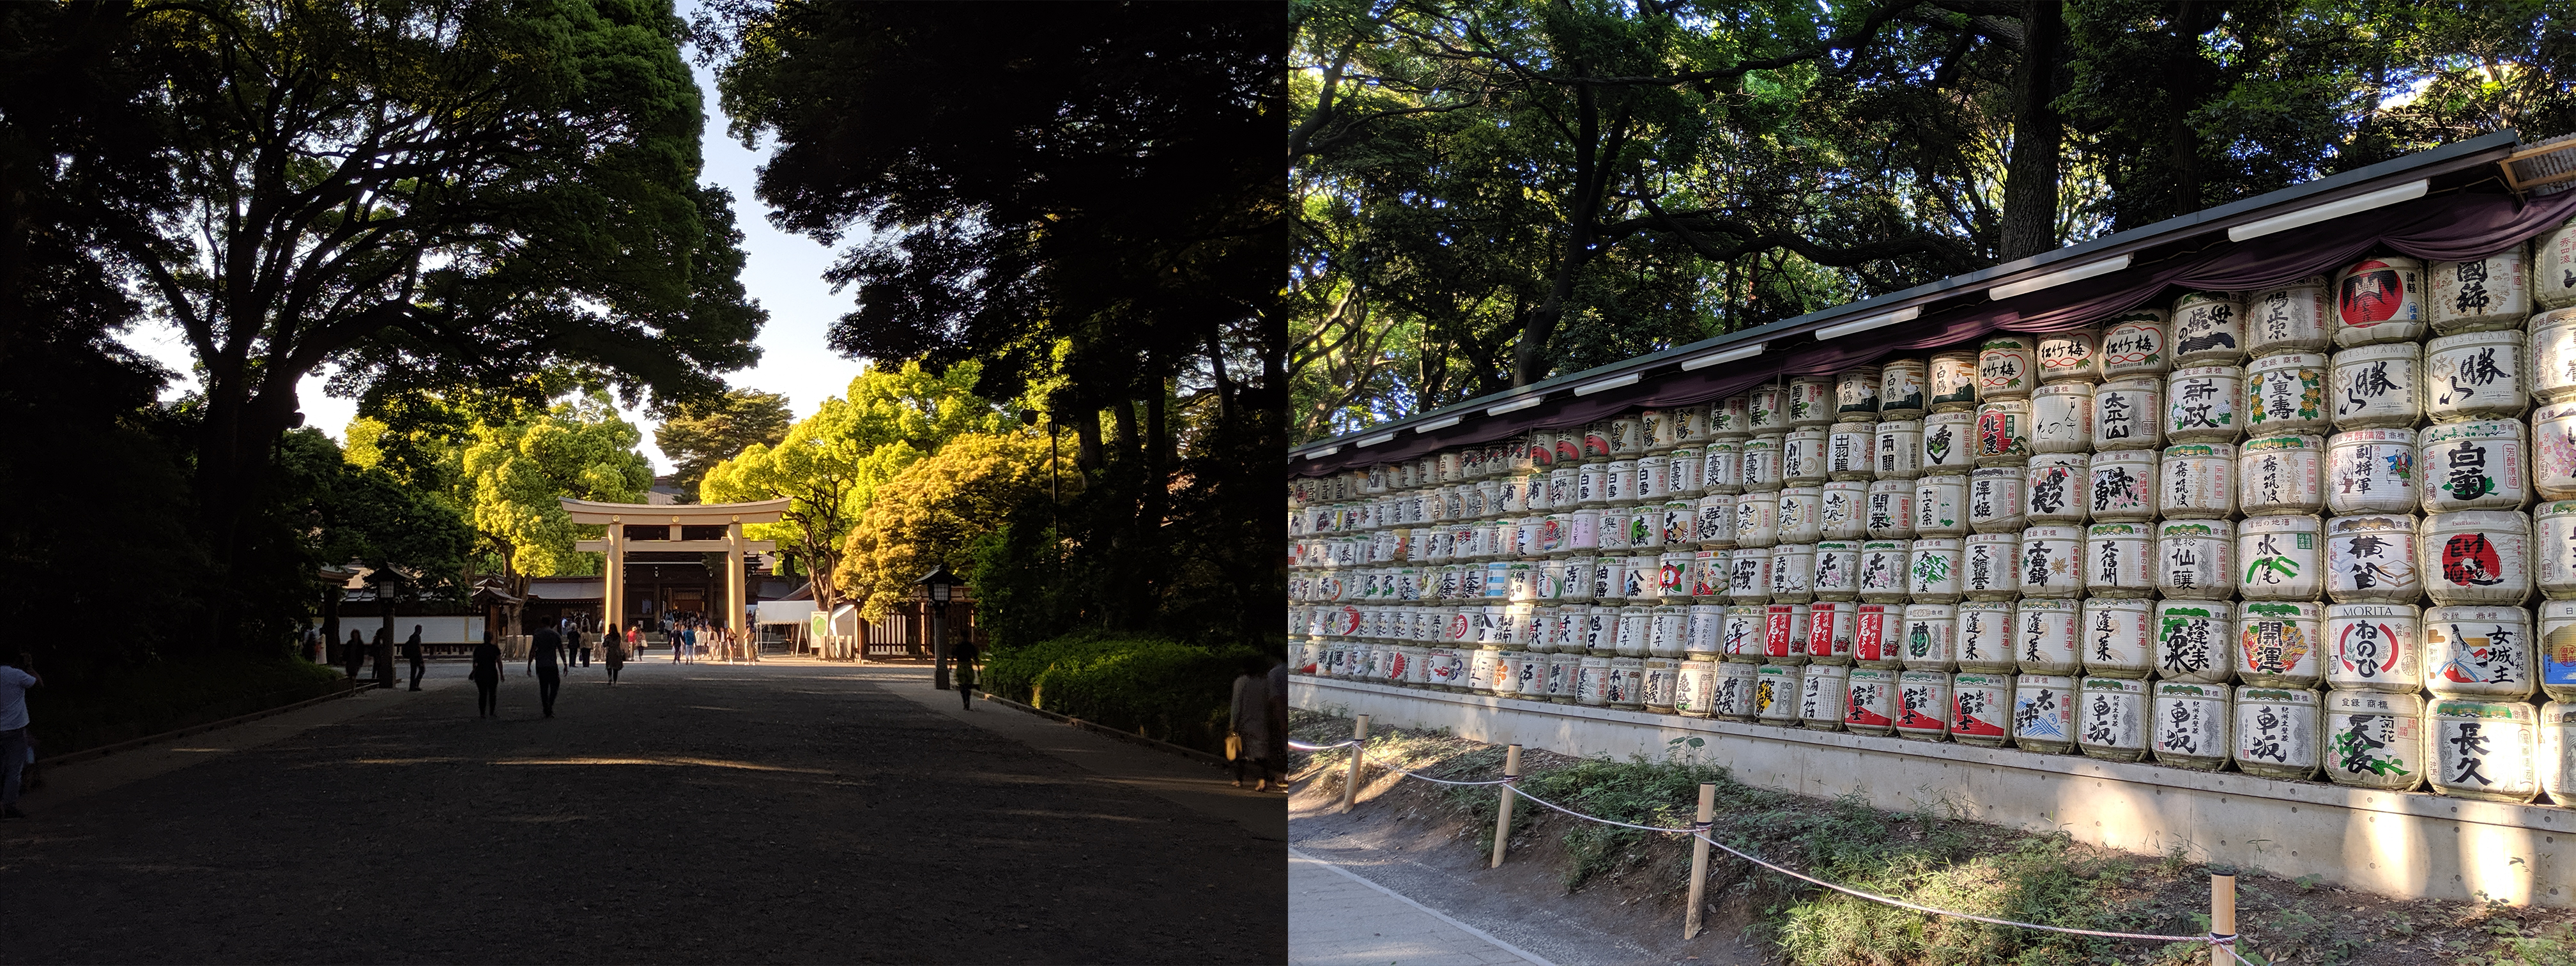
2408	845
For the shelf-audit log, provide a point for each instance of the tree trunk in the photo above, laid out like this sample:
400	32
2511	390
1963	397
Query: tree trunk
1086	437
2030	182
1123	415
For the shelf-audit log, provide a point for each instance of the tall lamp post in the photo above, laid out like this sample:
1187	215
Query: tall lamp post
934	588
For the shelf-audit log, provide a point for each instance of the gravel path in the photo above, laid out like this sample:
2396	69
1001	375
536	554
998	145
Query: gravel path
689	814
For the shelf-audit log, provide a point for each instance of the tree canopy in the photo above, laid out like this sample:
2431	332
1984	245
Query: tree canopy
935	510
699	435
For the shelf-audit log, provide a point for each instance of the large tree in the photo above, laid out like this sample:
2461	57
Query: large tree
699	435
423	195
934	511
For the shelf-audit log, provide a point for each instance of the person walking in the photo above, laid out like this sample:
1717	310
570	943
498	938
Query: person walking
572	647
411	652
964	679
1249	724
679	643
541	662
614	653
1276	756
15	679
487	677
354	653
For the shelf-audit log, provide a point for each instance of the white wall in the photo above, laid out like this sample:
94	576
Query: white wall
433	630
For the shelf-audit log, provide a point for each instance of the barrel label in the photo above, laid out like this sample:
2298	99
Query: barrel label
1919	707
2118	489
2479	652
1869	701
2372	292
2281	734
2286	395
2134	345
2381	745
2049	486
2188	639
2040	714
2368	650
2190	725
2198	403
2558	654
2118	416
1975	713
2471	560
2473	376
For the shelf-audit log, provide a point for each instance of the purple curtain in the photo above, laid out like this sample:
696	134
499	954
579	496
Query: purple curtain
2439	228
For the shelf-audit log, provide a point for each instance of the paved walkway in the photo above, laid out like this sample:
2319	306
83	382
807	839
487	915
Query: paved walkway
691	813
1336	918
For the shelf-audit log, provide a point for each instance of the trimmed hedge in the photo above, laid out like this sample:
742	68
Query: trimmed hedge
1150	686
68	716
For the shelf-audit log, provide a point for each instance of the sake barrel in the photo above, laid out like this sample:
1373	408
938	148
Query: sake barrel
1591	484
1878	632
1995	499
2286	393
2128	414
2280	643
1654	478
2201	404
1940	506
1582	579
1634	624
1985	637
1932	571
1757	519
1690	424
1844	512
2553	451
1978	706
1627	435
2555	758
2115	638
1569	445
1618	527
1705	637
2195	559
2288	318
1811	401
1822	691
2110	719
2478	652
1556	534
1883	573
1851	452
1930	639
2484	749
2371	471
1801	514
1775	694
2378	385
1793	566
2123	486
1856	396
1507	498
1802	456
2379	299
1655	430
1660	675
2374	739
1627	683
2370	558
1989	566
2474	375
1762	461
1562	487
1665	629
2374	647
1693	686
2003	432
1731	417
1619	481
2136	343
2553	267
1899	450
2557	650
1769	412
1716	521
2208	328
2276	732
2475	557
1829	632
2043	717
1889	513
1564	673
2195	640
1732	698
2072	355
1742	638
1721	466
2190	725
1521	670
1749	580
1611	580
2061	418
2197	481
2053	488
1680	523
1901	389
1450	670
1922	705
1869	705
2480	293
2118	560
1949	443
2278	558
1837	570
2281	474
2052	561
2006	366
2553	355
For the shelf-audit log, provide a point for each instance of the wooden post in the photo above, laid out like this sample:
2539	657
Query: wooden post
2222	915
1503	817
1351	782
1699	863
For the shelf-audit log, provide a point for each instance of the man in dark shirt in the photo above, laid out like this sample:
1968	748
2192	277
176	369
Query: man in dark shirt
541	662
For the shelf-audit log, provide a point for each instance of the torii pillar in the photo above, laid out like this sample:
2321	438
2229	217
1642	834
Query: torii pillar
667	520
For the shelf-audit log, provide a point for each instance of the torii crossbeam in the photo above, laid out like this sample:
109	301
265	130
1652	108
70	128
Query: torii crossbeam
620	517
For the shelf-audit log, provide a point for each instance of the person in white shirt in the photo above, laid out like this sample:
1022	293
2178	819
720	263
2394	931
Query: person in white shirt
13	732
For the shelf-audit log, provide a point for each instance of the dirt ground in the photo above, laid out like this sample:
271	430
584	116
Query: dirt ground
1414	833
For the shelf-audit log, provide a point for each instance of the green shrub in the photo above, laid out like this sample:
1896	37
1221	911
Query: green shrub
70	715
1150	686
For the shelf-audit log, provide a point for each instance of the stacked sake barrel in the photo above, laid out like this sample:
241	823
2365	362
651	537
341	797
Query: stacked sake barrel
2293	531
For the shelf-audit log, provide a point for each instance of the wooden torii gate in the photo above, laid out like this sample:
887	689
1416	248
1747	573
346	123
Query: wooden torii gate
631	527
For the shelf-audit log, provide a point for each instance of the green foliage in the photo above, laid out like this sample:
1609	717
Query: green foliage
367	514
1151	686
934	512
505	471
68	713
697	436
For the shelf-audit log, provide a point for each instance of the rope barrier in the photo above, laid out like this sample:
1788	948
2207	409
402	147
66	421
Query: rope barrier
1700	830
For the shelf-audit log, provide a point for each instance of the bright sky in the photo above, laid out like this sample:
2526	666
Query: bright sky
783	271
